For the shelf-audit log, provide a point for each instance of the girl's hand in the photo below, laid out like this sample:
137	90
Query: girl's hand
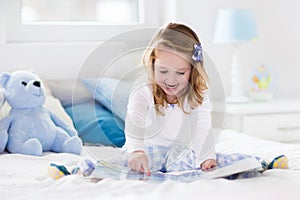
207	164
138	161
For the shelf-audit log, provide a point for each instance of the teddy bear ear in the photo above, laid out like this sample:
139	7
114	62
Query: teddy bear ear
4	77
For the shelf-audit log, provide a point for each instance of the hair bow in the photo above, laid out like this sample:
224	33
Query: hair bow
197	55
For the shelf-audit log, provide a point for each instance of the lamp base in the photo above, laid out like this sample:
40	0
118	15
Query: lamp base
237	99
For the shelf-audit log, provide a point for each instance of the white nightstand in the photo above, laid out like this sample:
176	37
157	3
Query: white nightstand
277	120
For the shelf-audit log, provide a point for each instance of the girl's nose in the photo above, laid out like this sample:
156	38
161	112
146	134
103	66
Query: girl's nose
172	78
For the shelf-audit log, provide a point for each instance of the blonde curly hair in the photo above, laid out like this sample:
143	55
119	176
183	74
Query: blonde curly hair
180	38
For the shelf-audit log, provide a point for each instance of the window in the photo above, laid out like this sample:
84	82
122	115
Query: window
107	12
76	20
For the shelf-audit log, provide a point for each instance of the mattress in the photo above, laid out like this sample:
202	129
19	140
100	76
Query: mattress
26	177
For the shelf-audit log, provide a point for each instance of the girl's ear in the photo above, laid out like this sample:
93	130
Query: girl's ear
4	77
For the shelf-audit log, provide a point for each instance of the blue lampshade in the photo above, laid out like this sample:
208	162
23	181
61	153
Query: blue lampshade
235	25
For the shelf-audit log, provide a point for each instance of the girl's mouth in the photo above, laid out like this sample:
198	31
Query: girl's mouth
171	86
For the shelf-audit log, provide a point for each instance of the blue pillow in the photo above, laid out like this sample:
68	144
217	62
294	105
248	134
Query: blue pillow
112	93
97	125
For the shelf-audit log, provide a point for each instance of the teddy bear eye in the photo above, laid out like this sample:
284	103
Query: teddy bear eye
24	83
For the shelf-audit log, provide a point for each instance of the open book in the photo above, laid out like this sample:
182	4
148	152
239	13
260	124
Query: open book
107	170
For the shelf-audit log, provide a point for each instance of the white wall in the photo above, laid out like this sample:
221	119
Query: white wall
52	61
277	46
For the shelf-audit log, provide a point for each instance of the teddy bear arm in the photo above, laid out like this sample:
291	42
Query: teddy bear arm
4	125
60	123
3	140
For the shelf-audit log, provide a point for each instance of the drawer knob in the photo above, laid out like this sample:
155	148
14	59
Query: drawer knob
289	128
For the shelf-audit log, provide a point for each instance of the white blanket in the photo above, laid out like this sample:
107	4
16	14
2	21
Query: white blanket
25	177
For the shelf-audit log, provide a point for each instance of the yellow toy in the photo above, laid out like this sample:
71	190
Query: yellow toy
84	168
280	162
57	171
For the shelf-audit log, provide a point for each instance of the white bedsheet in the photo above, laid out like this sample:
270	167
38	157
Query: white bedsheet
25	177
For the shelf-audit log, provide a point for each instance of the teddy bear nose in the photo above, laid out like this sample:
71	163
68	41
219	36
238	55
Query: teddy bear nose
37	83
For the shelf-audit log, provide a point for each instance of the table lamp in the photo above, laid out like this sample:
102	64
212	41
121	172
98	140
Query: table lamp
235	26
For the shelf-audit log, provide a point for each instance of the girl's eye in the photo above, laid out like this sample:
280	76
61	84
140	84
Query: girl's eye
163	72
24	83
181	73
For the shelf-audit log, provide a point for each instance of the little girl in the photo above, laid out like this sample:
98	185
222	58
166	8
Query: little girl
168	118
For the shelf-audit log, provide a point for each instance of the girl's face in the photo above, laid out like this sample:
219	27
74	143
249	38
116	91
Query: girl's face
172	73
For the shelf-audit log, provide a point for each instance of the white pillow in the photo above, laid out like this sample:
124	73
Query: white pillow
4	110
1	97
69	91
111	93
54	105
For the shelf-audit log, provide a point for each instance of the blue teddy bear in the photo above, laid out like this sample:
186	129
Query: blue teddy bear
29	128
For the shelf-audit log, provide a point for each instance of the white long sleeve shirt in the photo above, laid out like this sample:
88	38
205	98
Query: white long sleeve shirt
143	127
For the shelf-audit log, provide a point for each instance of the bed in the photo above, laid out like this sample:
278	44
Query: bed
26	177
90	108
